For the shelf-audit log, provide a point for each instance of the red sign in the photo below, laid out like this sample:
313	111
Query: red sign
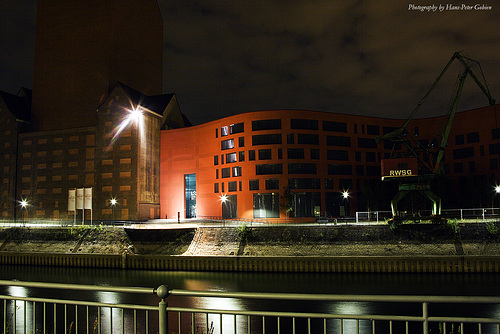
400	167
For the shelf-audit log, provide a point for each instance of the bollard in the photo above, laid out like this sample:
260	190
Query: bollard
163	293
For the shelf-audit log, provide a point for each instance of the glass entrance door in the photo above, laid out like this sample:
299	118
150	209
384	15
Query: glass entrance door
190	195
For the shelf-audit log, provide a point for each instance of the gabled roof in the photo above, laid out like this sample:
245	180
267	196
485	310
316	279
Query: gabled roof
19	106
164	105
155	103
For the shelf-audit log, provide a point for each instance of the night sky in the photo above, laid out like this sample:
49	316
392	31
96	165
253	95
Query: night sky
367	57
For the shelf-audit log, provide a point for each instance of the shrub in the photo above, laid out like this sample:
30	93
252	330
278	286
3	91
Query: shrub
244	232
492	228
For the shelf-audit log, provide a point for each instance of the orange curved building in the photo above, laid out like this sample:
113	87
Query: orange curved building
239	166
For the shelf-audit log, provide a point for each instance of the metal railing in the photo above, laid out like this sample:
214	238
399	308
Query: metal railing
243	312
462	214
24	314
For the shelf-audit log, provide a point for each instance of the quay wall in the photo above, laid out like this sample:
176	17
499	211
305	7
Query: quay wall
313	264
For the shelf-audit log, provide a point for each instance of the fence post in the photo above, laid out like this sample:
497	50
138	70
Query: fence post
163	293
425	314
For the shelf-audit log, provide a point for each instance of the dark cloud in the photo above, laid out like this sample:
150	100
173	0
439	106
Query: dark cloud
364	57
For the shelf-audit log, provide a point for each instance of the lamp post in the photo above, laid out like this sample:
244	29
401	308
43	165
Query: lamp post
497	191
113	202
345	197
24	206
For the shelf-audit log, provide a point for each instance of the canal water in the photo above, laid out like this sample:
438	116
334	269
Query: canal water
316	283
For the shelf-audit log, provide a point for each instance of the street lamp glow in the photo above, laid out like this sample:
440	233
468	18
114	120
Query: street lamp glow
345	194
223	198
497	189
113	201
24	203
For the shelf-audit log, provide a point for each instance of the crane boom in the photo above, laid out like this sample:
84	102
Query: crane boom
434	153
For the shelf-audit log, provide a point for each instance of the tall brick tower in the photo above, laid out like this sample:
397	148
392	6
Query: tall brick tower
83	48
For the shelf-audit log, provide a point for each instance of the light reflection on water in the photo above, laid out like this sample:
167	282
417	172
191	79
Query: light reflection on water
383	284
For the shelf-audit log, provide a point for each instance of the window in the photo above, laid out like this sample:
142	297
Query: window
217	133
494	163
314	154
216	160
472	137
358	156
222	184
253	185
301	168
236	128
304	124
495	133
241	141
415	131
265	154
304	204
338	141
458	167
373	171
290	138
241	156
334	126
226	172
266	139
371	157
232	186
227	144
216	173
251	155
280	153
272	184
266	169
237	171
337	155
216	188
302	183
462	153
372	130
339	169
494	148
367	143
307	139
472	166
266	124
360	170
266	205
388	129
222	159
329	184
223	131
459	140
345	183
231	157
295	153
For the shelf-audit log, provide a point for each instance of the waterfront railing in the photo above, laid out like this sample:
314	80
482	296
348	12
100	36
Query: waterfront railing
209	312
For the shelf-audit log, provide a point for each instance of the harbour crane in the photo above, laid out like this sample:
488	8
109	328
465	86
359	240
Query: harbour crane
413	162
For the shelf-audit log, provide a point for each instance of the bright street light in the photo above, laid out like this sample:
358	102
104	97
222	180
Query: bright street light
223	198
345	194
24	203
497	189
113	201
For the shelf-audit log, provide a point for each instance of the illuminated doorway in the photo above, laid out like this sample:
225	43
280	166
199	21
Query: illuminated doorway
190	195
229	207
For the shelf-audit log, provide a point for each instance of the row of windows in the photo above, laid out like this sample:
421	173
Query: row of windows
295	153
301	168
293	183
303	124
